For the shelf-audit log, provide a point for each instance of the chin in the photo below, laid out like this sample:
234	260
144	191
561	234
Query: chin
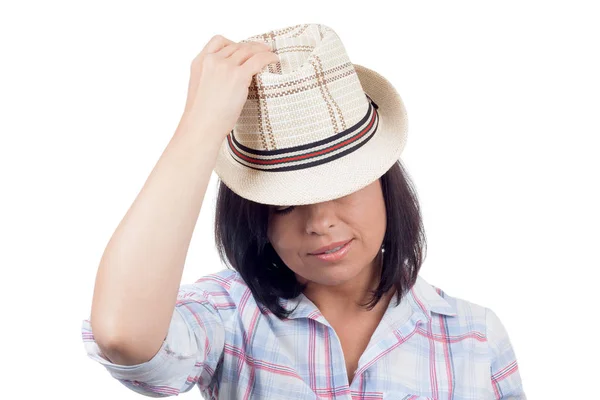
332	275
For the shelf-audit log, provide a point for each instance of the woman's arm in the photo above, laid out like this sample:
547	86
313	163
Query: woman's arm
140	272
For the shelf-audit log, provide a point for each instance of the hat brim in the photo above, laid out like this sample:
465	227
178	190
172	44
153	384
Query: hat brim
334	179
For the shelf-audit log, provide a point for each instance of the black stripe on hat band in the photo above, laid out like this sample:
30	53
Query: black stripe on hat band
308	155
307	146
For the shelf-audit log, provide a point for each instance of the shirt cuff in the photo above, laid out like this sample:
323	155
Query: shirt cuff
165	373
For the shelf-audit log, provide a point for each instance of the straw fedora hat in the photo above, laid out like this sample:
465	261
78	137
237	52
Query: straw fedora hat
315	126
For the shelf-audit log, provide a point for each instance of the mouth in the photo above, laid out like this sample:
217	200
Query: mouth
335	253
331	248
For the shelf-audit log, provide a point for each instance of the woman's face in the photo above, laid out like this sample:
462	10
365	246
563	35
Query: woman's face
359	217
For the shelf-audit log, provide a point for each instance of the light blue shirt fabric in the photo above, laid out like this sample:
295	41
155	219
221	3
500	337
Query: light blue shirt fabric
430	346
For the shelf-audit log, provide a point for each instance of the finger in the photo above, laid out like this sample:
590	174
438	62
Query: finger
265	45
228	50
258	61
216	43
245	50
242	54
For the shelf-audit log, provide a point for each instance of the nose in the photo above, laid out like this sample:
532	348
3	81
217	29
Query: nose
320	218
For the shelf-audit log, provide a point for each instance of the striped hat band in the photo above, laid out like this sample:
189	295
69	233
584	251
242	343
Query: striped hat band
310	154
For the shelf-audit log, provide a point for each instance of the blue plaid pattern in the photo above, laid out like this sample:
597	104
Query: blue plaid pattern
430	346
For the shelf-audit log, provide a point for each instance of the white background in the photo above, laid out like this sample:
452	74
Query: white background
502	100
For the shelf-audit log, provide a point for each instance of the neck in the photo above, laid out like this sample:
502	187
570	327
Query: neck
346	298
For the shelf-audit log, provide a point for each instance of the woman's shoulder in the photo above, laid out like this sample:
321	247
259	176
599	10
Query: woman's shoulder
462	313
440	301
218	283
224	289
481	326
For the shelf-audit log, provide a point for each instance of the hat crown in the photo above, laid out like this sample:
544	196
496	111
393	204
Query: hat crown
311	95
315	126
298	47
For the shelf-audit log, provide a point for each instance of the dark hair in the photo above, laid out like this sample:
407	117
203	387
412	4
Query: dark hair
241	239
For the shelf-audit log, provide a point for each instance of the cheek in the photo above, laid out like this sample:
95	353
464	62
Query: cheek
373	216
287	242
280	235
372	225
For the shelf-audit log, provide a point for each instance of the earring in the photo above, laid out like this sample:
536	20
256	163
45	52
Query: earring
382	249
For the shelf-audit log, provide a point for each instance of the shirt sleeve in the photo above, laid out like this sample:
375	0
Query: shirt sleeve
188	356
505	377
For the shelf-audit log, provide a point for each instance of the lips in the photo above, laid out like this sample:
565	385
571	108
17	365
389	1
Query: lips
329	247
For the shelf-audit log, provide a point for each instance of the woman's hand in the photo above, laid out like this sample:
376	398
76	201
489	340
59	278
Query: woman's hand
219	79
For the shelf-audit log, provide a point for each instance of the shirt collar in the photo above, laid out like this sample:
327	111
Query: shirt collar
430	299
422	298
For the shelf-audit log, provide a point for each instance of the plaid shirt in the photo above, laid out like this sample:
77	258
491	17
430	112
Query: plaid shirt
431	346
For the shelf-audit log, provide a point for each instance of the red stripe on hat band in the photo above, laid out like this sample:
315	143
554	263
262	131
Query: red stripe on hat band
304	156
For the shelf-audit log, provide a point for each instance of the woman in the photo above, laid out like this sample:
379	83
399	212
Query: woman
322	229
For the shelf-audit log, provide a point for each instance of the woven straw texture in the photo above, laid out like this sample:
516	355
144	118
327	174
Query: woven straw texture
315	126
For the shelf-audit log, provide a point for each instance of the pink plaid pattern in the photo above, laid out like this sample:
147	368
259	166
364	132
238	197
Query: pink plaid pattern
430	346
